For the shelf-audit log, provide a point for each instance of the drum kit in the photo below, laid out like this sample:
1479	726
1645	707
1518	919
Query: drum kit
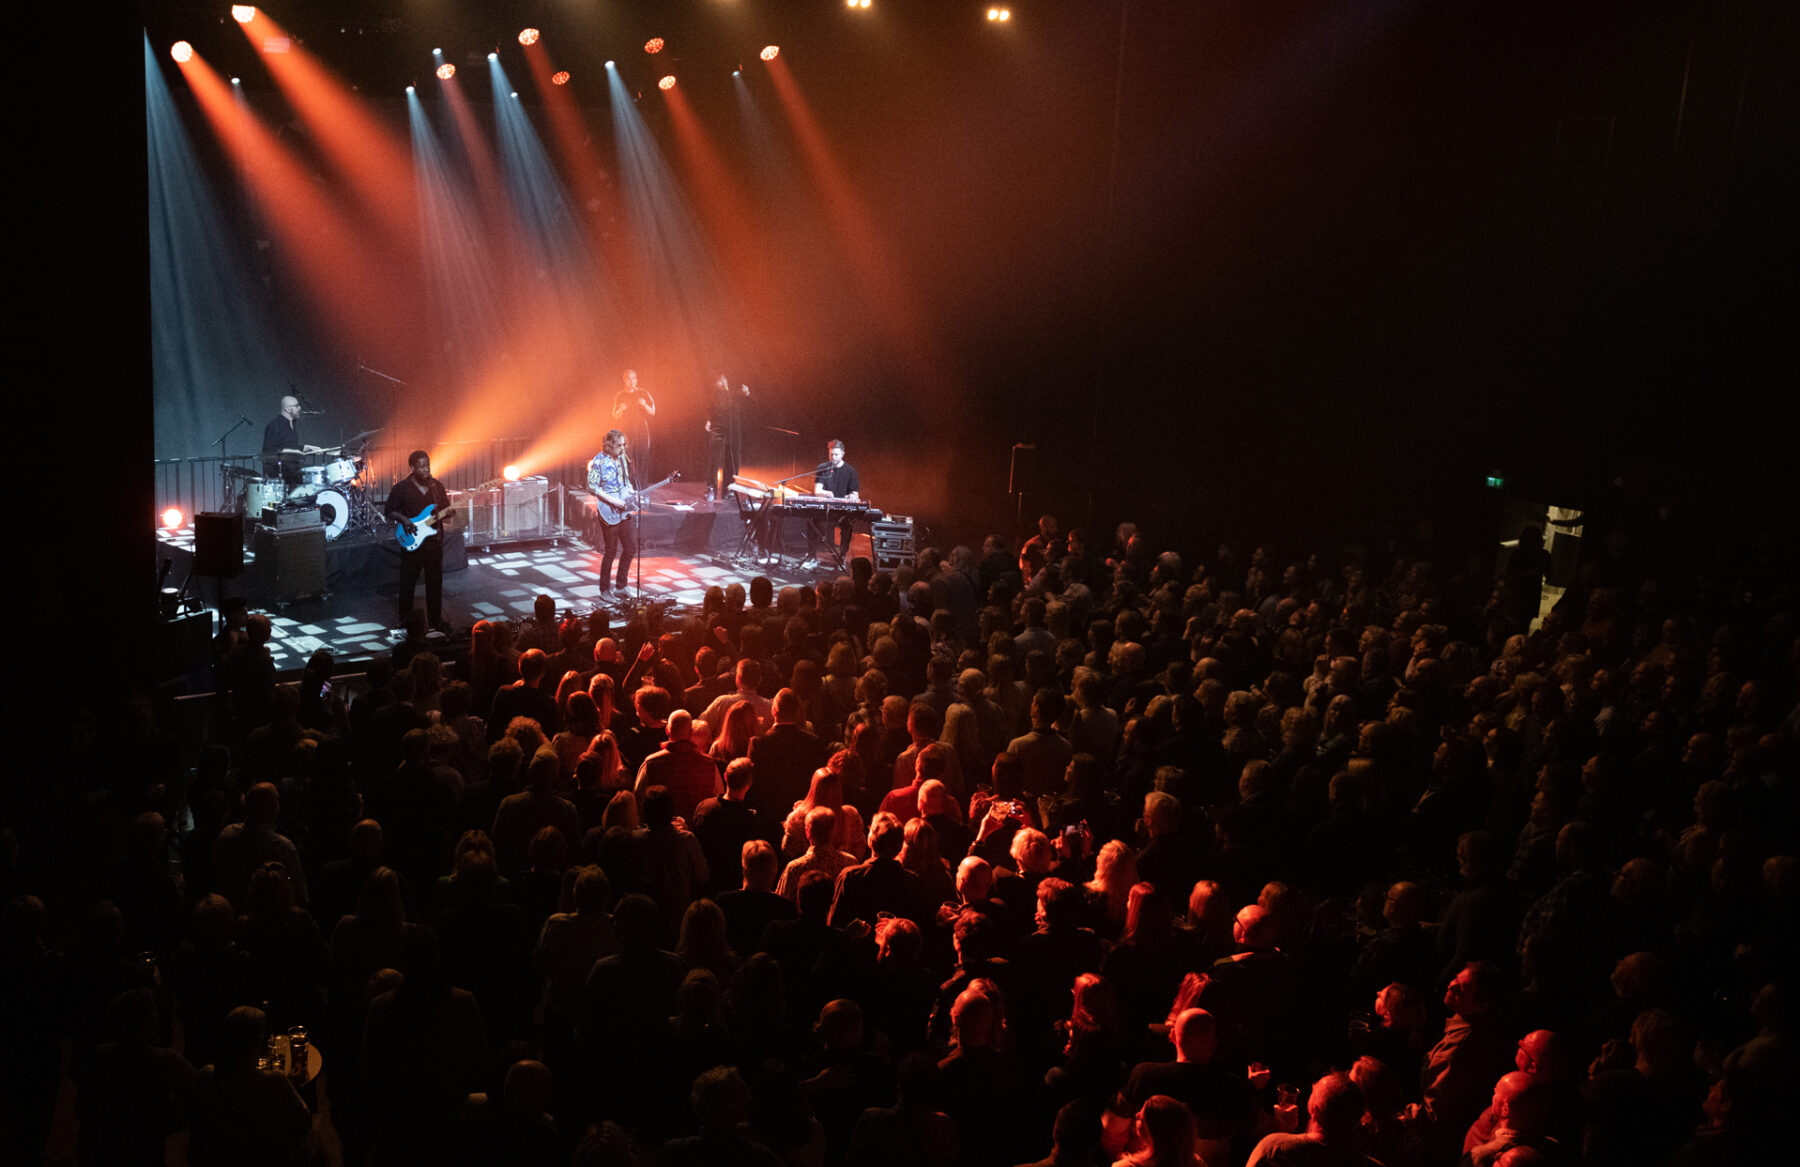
337	489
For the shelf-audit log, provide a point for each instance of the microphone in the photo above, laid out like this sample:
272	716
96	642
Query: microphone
310	412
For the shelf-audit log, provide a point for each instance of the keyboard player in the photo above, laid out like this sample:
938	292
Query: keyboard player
834	478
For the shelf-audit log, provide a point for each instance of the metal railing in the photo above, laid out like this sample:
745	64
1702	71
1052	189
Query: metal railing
198	484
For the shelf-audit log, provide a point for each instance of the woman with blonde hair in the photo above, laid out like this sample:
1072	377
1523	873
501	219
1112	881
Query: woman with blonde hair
1115	871
827	790
1166	1135
733	740
567	688
919	855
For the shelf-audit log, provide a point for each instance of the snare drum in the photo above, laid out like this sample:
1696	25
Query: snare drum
340	471
312	476
262	494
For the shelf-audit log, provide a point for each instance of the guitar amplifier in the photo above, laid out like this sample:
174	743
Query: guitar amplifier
525	505
892	541
288	518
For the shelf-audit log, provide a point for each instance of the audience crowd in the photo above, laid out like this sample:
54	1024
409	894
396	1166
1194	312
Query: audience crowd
1079	855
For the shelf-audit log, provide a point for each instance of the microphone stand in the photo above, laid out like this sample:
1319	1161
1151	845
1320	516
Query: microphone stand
394	385
224	457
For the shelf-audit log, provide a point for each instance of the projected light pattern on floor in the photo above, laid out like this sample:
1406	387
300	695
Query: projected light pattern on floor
352	625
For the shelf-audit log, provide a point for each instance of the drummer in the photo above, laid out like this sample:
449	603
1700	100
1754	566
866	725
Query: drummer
281	446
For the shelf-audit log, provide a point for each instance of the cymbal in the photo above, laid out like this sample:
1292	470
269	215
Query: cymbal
362	437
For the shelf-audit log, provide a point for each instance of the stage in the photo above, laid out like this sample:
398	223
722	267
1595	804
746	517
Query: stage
688	545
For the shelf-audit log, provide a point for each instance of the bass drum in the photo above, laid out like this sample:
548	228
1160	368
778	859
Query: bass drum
260	494
339	472
334	507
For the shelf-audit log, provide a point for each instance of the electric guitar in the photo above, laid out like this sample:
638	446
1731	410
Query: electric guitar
425	525
612	516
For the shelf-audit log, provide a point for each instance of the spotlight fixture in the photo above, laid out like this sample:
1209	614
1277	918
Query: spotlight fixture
667	82
561	77
243	13
409	89
236	81
856	3
528	36
770	53
437	52
446	71
493	56
999	15
172	517
182	52
653	45
511	473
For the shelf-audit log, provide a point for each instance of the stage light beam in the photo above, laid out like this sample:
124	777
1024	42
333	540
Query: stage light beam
182	52
667	82
511	473
528	36
770	52
243	13
446	71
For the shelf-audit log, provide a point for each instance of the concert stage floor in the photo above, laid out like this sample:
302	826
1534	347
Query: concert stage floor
354	618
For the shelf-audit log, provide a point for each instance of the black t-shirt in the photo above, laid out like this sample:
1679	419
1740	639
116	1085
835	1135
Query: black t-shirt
281	434
1223	1103
407	499
838	481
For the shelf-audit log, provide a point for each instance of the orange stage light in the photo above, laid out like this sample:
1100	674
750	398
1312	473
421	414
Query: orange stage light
561	77
667	82
770	53
654	45
182	52
999	15
243	13
171	518
528	36
511	473
446	71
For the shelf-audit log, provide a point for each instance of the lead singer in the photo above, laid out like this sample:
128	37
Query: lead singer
609	479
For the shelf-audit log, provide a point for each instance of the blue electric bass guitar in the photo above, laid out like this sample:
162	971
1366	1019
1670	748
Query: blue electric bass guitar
613	516
425	525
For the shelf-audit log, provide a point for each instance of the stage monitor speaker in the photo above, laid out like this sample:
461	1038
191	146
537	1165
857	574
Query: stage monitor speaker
290	564
219	544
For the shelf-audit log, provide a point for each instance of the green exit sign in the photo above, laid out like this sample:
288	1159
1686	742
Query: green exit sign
1496	482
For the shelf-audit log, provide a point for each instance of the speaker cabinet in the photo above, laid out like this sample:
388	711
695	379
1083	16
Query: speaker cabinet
219	544
290	564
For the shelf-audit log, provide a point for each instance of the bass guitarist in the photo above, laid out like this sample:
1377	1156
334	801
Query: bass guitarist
609	479
418	506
